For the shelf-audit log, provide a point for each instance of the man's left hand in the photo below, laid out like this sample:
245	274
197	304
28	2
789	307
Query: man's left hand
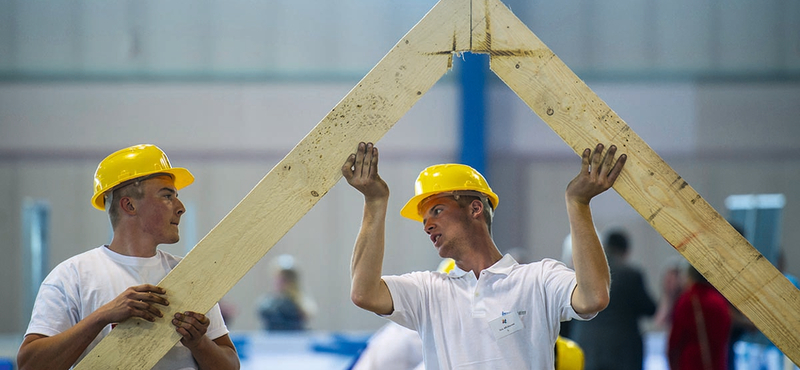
191	326
598	174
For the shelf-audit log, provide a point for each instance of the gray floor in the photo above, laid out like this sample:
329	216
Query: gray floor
320	351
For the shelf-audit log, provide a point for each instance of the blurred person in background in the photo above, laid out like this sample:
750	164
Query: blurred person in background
394	347
613	340
286	308
673	282
701	327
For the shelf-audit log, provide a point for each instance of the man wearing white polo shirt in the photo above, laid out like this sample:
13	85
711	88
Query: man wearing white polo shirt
490	312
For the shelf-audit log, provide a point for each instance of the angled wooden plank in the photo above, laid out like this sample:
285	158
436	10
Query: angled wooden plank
293	186
648	183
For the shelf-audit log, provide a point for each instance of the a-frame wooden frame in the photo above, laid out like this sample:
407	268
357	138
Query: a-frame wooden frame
380	99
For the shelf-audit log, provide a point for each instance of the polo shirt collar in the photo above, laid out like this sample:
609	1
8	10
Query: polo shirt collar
456	272
503	266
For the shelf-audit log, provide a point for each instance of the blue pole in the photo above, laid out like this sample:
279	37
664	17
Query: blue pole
472	78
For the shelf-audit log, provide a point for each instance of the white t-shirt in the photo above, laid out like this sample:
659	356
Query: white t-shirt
452	314
82	284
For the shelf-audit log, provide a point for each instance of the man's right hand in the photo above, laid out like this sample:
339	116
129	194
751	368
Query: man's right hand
136	301
367	289
361	172
61	351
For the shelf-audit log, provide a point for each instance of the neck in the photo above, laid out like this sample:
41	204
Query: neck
484	257
132	247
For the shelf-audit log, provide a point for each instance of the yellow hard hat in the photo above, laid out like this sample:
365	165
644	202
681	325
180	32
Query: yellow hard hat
443	178
131	163
569	355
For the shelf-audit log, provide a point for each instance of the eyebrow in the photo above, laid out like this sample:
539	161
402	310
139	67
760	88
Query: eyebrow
433	204
173	191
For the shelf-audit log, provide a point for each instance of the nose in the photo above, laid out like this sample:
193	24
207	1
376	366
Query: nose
181	209
428	228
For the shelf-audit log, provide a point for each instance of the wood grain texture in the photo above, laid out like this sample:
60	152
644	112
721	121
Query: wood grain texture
293	186
551	90
648	183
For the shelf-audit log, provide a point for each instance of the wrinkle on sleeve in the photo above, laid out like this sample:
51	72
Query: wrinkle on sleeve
408	298
560	282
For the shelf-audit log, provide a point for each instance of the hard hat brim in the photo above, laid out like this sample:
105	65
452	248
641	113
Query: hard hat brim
411	209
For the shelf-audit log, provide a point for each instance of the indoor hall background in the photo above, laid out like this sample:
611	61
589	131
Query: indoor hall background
227	88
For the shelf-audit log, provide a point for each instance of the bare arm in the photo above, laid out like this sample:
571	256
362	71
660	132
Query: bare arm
209	354
597	175
62	350
367	289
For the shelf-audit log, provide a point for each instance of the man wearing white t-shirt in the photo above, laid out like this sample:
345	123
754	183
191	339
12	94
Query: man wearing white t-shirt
490	312
84	297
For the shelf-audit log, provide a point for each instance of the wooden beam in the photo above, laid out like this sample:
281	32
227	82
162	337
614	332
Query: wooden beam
648	183
293	186
551	90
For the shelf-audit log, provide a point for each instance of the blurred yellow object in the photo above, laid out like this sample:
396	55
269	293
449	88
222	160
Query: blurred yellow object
569	355
446	265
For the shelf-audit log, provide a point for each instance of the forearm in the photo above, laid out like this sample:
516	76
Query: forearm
591	268
367	290
218	354
60	351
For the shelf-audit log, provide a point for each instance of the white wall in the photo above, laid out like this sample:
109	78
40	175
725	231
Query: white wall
229	136
724	138
310	37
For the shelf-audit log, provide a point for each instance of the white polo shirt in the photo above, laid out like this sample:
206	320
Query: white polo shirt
509	318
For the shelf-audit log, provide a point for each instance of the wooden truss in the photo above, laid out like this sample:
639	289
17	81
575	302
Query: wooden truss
380	99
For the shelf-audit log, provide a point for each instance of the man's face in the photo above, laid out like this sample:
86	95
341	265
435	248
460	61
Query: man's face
445	221
160	210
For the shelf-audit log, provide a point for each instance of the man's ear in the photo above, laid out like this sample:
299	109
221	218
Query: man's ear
476	208
126	205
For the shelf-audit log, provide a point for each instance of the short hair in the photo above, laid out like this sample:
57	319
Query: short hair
617	242
464	199
132	188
